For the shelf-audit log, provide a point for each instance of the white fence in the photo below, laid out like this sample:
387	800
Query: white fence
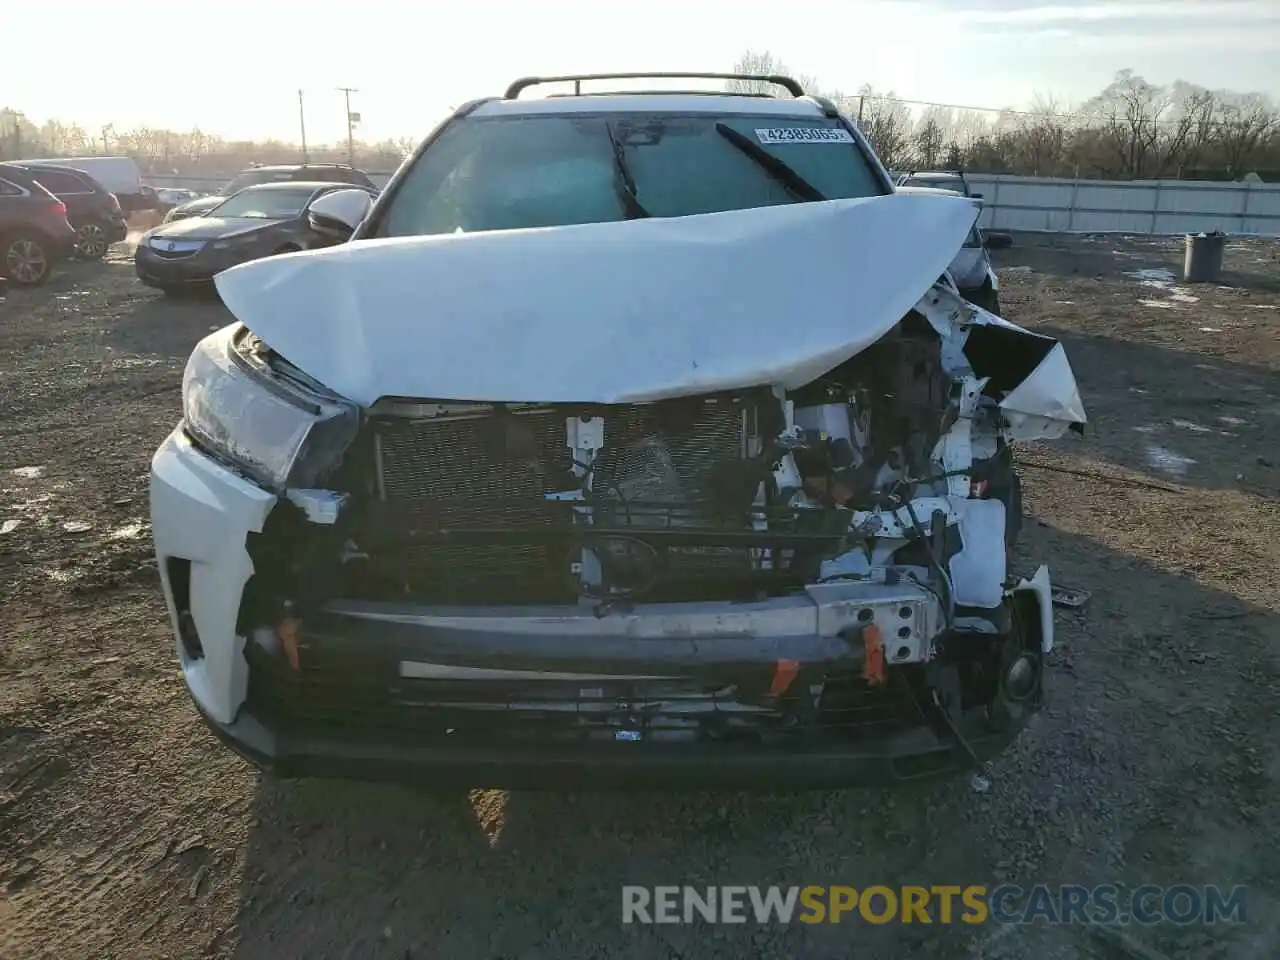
1074	206
1127	206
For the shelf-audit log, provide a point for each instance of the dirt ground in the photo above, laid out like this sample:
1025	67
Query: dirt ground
126	831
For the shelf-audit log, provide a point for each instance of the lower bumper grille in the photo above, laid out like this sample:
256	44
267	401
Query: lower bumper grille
362	697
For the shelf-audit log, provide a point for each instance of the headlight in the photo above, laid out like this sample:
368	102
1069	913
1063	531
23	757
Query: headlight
241	241
277	430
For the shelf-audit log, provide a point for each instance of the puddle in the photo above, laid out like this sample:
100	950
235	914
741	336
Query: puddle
1165	460
1146	429
9	526
1210	329
1138	390
130	531
1233	421
27	473
1193	427
1161	304
1065	303
1261	306
126	362
1157	277
1182	297
76	526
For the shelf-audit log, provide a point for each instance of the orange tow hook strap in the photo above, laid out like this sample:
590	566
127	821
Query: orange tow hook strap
288	633
873	658
784	672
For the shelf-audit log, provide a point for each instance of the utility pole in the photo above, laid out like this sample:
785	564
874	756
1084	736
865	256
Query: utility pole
352	119
302	126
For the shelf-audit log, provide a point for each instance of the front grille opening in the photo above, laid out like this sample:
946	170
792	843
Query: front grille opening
461	512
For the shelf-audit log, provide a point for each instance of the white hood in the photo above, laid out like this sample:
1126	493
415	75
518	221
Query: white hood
624	312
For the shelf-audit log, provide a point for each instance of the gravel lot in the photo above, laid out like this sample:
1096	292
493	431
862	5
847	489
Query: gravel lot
125	831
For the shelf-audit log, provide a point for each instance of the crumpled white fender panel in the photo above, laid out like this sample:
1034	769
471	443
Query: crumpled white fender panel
1046	402
624	312
202	512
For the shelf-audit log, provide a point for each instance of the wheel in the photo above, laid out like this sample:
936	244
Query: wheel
91	241
26	261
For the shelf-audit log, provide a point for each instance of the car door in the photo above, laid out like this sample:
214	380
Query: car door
68	188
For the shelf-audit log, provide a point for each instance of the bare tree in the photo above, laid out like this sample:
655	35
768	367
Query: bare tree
1128	111
1241	125
885	121
764	63
928	142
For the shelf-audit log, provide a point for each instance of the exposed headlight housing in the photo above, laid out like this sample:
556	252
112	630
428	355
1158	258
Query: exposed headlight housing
280	430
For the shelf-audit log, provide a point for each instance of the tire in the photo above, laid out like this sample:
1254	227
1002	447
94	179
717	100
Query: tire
25	260
91	241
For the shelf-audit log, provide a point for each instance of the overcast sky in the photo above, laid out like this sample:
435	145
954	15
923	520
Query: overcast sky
234	66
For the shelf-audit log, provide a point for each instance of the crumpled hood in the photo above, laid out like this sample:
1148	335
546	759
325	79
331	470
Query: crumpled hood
624	312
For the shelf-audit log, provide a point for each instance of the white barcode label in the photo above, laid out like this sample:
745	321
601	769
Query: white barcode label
804	135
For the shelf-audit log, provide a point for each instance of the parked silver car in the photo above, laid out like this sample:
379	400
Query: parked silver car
971	268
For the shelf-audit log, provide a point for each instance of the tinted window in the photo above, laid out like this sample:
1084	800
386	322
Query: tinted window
59	182
251	178
505	173
273	204
8	189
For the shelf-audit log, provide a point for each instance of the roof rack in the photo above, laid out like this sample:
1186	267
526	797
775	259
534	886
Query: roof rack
659	93
524	83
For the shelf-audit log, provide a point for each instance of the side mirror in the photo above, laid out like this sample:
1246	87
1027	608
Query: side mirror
997	241
337	214
976	196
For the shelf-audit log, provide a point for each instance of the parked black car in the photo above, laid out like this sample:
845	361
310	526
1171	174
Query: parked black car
278	173
93	210
34	231
259	221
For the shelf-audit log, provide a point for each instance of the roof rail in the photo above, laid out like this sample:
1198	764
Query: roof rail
524	83
660	93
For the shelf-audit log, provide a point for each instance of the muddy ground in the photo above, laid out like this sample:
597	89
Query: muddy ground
125	831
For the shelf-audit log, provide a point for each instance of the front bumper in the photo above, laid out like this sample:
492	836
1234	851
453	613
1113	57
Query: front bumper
546	697
199	268
911	756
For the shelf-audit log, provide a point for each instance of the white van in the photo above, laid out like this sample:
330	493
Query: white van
120	175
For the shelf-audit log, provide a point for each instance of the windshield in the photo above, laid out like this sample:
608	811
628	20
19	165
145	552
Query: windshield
252	178
272	204
938	183
502	173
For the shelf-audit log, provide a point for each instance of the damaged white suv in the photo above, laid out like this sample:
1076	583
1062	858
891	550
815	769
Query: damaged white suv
632	439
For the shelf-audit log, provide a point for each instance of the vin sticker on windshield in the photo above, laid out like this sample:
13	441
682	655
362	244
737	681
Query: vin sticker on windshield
804	135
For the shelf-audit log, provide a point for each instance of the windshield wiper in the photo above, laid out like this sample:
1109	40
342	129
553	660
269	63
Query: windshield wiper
624	183
771	165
